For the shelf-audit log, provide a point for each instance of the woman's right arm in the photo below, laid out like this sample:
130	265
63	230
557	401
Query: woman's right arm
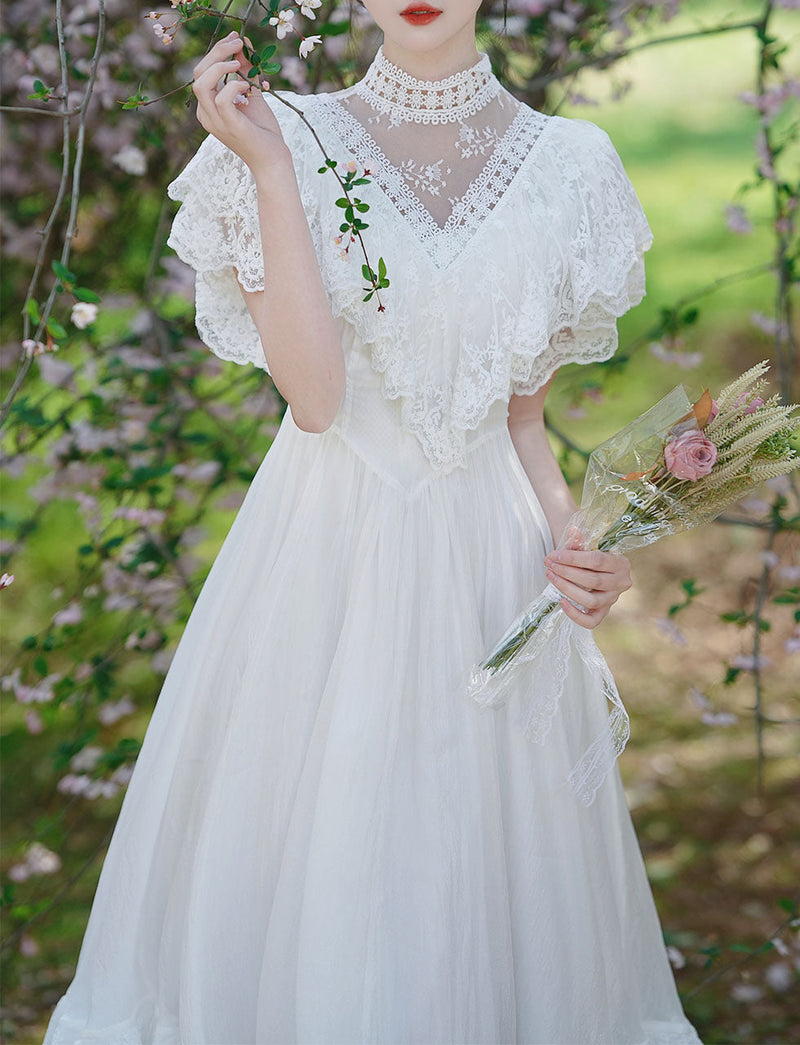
292	314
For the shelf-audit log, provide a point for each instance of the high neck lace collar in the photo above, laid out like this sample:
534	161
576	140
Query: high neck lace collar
389	89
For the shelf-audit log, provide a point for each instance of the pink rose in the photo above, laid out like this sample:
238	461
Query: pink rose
690	456
714	410
749	408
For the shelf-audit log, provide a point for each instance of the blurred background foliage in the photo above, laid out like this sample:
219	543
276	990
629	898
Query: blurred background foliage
127	450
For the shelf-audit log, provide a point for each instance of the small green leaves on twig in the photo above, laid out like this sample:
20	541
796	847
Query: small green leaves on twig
67	280
135	100
377	282
260	64
41	93
353	226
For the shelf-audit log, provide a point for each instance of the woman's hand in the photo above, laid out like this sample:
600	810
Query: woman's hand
236	112
595	580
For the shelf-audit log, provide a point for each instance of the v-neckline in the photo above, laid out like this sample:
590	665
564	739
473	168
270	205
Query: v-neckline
443	244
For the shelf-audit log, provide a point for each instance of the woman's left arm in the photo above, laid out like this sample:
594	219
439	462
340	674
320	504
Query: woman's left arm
595	580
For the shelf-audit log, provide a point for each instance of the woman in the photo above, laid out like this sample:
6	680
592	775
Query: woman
324	839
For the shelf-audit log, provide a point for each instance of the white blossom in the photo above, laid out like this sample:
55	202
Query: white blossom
131	160
283	23
307	7
307	45
84	312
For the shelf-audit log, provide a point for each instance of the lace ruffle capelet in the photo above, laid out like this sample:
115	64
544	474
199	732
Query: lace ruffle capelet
513	241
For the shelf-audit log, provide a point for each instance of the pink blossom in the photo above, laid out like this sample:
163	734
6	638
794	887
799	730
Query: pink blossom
690	456
33	722
6	579
55	371
71	614
766	324
38	860
745	662
719	718
28	947
714	410
143	516
668	627
737	219
111	711
86	759
685	360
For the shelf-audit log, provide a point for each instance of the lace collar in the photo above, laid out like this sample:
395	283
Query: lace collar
390	90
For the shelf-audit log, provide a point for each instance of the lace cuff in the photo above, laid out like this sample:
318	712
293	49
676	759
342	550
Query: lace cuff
604	275
216	231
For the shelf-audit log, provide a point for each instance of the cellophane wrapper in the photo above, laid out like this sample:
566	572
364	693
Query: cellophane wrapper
616	514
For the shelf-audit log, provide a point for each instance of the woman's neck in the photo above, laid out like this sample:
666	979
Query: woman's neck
457	54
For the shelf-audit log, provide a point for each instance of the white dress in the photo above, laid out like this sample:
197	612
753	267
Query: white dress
325	840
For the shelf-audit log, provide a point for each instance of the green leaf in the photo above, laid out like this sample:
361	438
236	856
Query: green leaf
55	329
40	665
334	28
271	68
84	294
342	202
731	675
735	617
381	268
63	273
32	308
367	272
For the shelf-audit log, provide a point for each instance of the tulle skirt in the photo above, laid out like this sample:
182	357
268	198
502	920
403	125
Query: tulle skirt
324	839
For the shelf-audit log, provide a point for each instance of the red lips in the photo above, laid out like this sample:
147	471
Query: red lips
420	13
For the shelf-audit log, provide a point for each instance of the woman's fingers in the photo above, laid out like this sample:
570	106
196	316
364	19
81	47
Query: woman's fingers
205	85
227	94
602	570
594	580
590	600
589	619
220	52
590	580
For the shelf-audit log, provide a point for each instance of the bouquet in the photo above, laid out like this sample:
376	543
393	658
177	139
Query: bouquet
676	466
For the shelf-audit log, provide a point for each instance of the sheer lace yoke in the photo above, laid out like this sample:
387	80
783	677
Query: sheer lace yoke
443	152
513	241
